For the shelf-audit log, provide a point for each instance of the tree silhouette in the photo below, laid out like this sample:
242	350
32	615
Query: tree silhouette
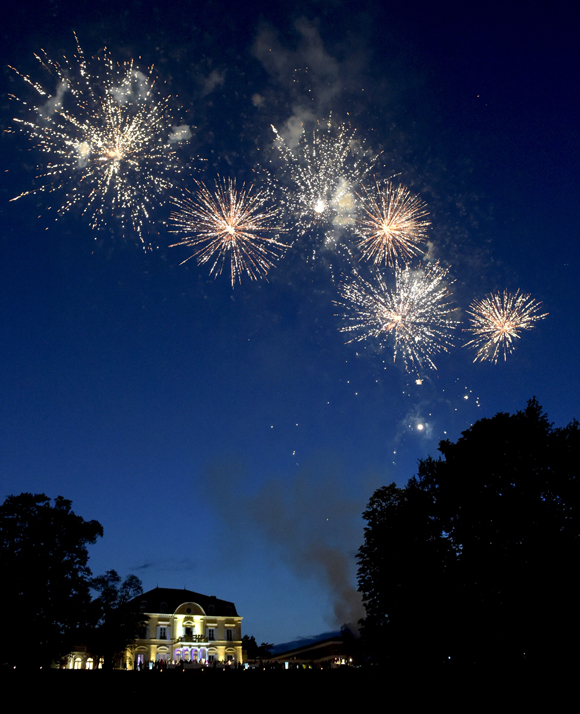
253	650
117	620
474	559
45	578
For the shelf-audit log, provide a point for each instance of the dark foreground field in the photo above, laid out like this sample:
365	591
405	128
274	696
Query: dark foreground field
238	688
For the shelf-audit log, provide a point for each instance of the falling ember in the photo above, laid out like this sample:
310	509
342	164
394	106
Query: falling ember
392	226
496	322
229	224
415	315
105	136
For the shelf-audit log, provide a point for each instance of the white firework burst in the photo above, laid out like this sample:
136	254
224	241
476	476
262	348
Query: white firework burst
319	177
106	139
414	317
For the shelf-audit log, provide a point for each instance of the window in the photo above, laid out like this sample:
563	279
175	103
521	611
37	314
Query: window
143	605
229	637
163	607
162	633
210	634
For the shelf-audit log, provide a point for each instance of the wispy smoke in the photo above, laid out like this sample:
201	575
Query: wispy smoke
167	565
257	100
313	526
180	133
308	73
214	79
53	103
138	89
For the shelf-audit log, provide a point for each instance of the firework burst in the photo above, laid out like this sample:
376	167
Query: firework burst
393	225
415	316
496	322
320	175
106	136
230	224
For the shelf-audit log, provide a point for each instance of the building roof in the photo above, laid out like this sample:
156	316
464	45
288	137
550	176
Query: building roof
328	649
167	600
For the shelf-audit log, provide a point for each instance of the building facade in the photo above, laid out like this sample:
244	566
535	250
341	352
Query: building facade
186	628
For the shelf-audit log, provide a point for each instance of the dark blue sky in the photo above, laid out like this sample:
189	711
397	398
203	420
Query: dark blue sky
228	441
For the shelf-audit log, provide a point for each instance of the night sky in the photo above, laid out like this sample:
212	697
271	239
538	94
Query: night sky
229	440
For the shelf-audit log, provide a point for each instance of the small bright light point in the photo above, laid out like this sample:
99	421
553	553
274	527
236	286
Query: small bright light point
420	427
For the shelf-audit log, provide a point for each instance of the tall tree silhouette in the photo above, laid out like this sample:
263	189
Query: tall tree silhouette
475	558
45	577
116	617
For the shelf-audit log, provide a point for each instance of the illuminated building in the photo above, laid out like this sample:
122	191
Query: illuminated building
186	627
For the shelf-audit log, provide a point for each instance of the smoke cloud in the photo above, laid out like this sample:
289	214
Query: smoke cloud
312	77
213	80
179	133
136	89
54	102
312	525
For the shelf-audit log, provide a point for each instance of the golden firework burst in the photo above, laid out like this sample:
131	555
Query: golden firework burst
393	225
496	322
230	224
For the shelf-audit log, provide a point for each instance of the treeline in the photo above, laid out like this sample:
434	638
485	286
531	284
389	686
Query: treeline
475	560
49	592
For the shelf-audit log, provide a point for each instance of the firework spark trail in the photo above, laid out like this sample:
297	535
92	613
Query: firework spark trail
496	322
106	135
392	226
320	177
415	314
230	223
